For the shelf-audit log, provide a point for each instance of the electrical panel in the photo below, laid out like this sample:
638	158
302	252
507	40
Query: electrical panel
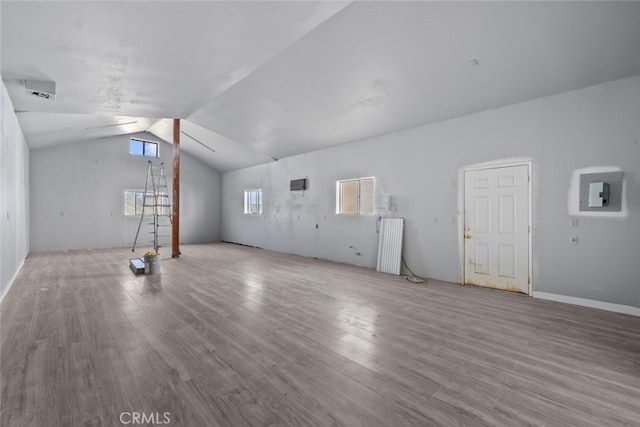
598	194
601	192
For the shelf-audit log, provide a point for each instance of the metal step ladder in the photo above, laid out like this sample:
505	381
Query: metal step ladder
156	206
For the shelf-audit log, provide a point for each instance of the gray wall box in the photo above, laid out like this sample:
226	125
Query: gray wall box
614	179
298	184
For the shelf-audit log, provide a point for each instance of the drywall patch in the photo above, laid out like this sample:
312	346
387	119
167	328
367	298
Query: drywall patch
612	185
573	202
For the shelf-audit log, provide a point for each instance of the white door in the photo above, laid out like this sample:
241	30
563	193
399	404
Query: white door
496	228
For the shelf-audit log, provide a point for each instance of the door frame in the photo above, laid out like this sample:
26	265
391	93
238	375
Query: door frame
463	171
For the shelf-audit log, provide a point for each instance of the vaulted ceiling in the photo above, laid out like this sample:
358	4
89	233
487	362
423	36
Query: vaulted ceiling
255	81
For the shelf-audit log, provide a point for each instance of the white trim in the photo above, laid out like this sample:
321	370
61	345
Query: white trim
498	165
11	281
617	308
461	199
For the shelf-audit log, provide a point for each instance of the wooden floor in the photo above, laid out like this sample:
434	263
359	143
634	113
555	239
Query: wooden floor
234	336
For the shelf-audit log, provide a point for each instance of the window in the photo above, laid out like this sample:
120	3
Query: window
138	147
253	202
134	203
355	196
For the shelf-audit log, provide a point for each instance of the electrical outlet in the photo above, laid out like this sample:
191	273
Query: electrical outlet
574	222
574	240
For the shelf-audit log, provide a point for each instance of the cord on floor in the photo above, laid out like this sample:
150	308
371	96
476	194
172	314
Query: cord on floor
412	277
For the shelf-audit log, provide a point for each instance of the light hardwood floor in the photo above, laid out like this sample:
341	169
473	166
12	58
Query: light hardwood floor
235	336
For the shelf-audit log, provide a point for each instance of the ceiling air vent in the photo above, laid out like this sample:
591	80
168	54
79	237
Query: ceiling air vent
46	90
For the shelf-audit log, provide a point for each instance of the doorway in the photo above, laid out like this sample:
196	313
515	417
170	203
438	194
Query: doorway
497	228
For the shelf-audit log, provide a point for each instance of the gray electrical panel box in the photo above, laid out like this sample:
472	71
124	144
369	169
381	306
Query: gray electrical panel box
601	192
598	194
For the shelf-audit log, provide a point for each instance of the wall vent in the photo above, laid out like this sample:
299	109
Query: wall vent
298	184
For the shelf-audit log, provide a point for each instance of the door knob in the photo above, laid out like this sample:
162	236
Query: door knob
468	236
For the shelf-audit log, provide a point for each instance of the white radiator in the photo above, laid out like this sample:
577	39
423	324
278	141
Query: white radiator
390	245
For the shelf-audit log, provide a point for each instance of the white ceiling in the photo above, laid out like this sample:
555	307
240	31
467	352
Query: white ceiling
47	129
263	80
217	151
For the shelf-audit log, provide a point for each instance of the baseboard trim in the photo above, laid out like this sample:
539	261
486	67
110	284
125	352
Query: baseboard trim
13	279
617	308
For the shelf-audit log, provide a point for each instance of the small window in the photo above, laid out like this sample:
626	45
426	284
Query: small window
253	202
138	147
134	203
355	196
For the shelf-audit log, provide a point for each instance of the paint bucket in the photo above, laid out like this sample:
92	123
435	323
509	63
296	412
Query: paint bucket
151	264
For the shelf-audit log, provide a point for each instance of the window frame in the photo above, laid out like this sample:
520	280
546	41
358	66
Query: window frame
339	196
135	201
144	148
259	203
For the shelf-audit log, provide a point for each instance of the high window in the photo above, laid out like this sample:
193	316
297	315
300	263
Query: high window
138	147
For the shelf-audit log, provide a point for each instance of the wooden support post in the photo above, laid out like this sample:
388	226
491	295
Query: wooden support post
175	245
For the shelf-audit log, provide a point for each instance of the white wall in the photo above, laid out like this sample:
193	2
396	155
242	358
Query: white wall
594	127
14	195
77	195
